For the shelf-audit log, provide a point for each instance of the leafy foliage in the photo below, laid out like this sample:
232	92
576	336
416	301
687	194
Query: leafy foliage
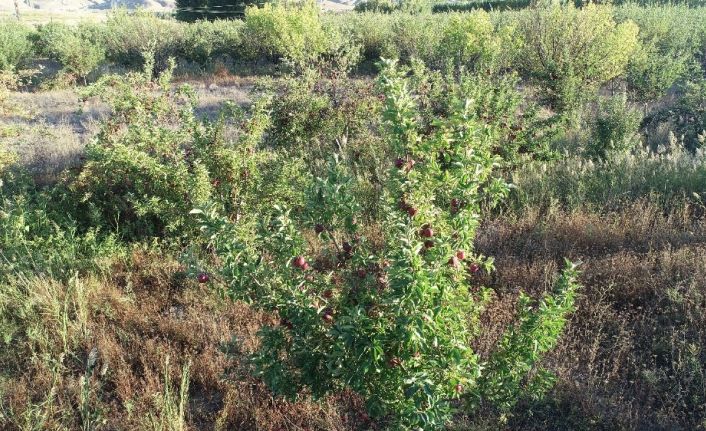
390	317
572	51
78	50
614	130
15	44
294	33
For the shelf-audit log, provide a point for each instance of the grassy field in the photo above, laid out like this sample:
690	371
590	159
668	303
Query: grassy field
258	225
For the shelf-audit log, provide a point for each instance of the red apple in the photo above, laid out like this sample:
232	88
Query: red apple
453	261
299	262
461	254
305	267
428	243
474	267
327	315
328	294
427	232
412	211
203	277
399	163
459	388
362	273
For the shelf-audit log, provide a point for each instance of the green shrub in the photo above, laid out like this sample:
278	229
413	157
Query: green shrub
389	315
614	129
314	116
685	117
469	40
570	52
413	36
293	33
372	31
78	50
376	6
147	167
483	5
205	41
388	6
129	35
153	161
15	44
666	52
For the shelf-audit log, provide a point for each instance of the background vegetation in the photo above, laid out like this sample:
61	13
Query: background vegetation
304	220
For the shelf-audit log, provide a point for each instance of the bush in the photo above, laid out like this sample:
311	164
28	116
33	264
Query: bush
387	310
469	40
666	52
388	6
15	44
615	128
129	35
78	50
686	118
484	5
205	41
376	6
372	31
314	116
293	33
153	161
570	52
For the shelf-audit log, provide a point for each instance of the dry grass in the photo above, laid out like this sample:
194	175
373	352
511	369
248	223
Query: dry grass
632	357
136	318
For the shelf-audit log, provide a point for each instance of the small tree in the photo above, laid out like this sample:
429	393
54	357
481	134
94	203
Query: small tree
390	317
572	51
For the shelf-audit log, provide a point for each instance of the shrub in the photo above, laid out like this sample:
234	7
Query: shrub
376	6
469	40
153	161
615	128
388	6
686	117
293	33
150	162
15	44
372	31
484	5
204	41
414	36
570	52
78	50
387	315
666	52
315	115
129	35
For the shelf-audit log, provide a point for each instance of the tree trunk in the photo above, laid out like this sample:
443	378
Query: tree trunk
17	10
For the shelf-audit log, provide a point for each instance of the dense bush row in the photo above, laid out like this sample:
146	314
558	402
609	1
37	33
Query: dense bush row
280	32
